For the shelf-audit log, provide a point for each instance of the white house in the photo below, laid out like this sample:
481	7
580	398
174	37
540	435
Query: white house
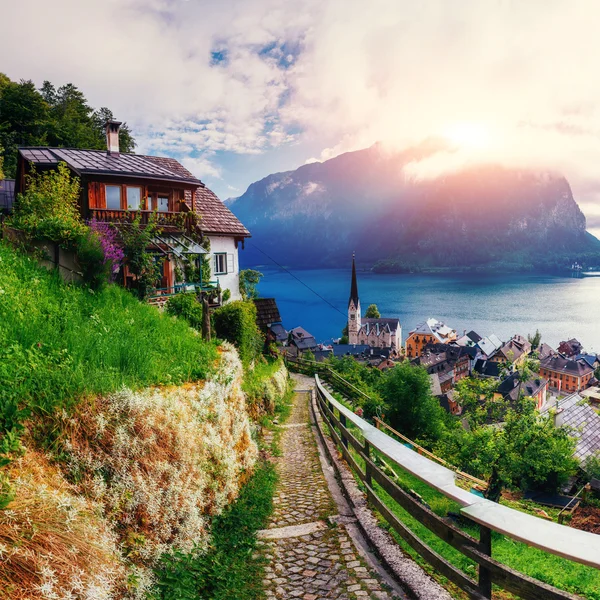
226	233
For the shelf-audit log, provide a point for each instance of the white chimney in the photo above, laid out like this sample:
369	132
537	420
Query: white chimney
112	137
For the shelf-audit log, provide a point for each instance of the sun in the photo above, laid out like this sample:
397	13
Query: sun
468	135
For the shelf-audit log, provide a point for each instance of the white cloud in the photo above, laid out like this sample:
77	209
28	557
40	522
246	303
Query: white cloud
334	72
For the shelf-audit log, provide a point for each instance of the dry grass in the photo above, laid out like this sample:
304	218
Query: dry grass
53	543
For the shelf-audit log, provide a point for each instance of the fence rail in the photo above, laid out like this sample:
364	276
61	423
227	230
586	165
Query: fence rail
557	539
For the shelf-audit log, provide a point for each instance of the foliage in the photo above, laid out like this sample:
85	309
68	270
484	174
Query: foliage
49	208
95	270
226	296
62	342
143	265
475	395
187	307
372	312
527	451
51	116
266	386
113	253
535	339
592	466
230	568
249	279
412	409
236	323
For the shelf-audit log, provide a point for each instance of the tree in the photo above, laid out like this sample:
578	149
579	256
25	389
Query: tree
372	312
535	339
249	279
475	395
412	409
526	451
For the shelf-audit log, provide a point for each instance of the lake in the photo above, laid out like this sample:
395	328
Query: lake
504	304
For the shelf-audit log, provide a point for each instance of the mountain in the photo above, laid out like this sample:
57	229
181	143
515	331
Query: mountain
486	216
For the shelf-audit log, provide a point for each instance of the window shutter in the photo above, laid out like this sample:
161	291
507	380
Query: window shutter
230	266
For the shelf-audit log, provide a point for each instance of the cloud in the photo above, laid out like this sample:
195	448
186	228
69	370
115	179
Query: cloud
199	78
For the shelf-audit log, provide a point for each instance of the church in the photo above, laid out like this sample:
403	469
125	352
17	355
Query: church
377	333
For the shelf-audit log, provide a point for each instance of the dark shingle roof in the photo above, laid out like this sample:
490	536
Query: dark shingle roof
474	337
583	422
487	368
266	312
279	331
302	339
509	387
559	364
100	162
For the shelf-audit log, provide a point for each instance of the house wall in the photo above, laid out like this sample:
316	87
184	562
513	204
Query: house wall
566	383
416	342
231	281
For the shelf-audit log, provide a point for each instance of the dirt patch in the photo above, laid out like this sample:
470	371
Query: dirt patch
586	518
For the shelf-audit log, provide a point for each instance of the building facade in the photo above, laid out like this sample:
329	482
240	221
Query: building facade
431	331
566	375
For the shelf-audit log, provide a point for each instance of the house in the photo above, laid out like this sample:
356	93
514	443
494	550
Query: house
565	374
515	351
590	359
431	331
486	368
268	320
385	364
544	351
7	195
469	339
116	187
459	358
376	333
489	345
510	388
583	423
570	348
302	340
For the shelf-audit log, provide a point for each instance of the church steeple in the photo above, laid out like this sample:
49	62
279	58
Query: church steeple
353	285
353	307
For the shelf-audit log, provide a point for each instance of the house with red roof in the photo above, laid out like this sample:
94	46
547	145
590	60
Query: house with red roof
118	187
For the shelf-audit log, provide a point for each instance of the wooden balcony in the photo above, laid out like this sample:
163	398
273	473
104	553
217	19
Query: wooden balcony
169	221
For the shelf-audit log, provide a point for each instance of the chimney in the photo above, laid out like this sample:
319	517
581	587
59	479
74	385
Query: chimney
558	418
112	137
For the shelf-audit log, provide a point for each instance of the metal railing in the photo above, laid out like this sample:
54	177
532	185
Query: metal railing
572	544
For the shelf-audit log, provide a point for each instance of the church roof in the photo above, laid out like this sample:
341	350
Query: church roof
353	286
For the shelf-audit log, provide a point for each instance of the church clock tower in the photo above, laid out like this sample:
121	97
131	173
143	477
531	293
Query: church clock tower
353	308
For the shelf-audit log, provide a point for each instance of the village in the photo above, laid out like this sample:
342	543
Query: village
563	382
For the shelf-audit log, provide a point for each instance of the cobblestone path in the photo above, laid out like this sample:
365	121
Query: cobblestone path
309	557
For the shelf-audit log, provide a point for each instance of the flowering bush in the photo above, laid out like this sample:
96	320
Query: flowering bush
162	461
53	543
113	252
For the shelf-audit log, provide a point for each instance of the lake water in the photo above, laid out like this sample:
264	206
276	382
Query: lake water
560	307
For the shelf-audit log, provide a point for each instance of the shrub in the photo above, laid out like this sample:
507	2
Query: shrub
226	295
187	307
49	208
113	253
236	323
249	279
95	269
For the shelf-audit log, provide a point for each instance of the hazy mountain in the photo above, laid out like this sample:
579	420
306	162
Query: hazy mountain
318	214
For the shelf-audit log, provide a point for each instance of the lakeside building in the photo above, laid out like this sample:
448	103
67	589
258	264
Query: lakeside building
510	388
375	333
429	332
117	187
515	351
565	374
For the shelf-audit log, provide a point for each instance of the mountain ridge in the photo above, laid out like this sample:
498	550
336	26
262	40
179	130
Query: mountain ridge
483	216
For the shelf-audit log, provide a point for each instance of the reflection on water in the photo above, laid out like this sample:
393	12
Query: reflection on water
560	307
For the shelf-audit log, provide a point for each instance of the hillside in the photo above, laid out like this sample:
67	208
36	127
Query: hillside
122	435
318	214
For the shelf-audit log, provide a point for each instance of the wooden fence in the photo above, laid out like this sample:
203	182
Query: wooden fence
557	539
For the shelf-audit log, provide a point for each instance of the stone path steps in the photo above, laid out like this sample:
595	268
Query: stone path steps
309	557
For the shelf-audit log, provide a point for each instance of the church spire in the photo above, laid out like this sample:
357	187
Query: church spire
354	285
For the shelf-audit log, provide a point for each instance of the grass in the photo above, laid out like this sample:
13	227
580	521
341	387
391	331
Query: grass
232	567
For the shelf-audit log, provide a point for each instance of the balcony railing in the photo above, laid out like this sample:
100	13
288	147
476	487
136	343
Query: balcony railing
183	221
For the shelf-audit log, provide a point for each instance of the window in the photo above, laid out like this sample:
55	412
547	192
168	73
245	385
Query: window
163	203
134	198
113	197
220	264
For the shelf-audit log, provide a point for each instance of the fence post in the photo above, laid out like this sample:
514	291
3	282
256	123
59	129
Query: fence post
485	546
342	434
367	451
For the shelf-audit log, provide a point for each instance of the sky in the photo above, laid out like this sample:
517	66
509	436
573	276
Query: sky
239	89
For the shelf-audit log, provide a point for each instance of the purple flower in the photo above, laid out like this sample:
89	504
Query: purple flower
113	252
